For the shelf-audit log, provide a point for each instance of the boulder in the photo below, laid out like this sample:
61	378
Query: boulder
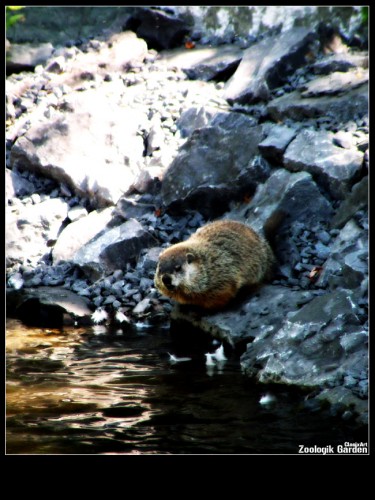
94	146
267	64
334	168
312	348
113	249
215	165
79	233
284	199
204	63
340	108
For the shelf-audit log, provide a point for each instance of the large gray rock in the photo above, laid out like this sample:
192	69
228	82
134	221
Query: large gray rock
341	108
321	344
49	307
284	199
204	63
79	233
32	229
215	165
333	167
267	64
113	249
94	147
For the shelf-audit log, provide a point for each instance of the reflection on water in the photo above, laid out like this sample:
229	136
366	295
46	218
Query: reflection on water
97	391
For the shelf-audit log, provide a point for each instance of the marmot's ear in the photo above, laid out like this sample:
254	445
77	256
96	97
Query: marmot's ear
190	258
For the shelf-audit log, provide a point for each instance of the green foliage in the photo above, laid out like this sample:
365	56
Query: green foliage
364	15
11	17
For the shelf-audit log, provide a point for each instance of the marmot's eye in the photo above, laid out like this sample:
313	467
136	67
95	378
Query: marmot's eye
177	267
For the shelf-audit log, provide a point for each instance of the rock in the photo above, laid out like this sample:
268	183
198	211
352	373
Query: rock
248	318
113	249
31	229
284	199
276	142
51	307
356	200
94	147
341	396
339	108
308	349
160	29
128	208
194	118
204	63
79	233
77	213
267	64
335	83
214	166
334	168
25	56
16	185
150	260
344	139
341	62
141	307
347	265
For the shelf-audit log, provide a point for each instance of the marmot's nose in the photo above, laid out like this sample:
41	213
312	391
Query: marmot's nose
167	280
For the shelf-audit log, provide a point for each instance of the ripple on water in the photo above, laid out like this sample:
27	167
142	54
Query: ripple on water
76	391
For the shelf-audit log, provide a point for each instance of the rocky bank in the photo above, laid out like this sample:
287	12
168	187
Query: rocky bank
115	149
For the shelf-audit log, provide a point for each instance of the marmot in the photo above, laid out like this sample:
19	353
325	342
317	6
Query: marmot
210	267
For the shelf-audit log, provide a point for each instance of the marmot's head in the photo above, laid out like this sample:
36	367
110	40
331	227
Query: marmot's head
177	269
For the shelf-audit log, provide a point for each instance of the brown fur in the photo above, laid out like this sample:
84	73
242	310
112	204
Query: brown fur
210	267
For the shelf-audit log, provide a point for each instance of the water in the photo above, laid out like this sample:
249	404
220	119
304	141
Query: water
100	391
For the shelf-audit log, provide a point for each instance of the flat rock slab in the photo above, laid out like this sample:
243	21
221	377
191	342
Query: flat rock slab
252	318
267	64
340	108
203	63
334	168
50	306
335	83
340	62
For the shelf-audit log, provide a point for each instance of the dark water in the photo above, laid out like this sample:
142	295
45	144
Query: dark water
96	391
